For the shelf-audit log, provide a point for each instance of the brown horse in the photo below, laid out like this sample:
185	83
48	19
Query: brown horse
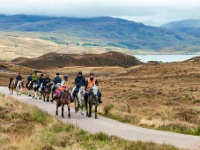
12	86
64	100
47	91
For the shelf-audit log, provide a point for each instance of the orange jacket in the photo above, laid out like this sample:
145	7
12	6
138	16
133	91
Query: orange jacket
90	83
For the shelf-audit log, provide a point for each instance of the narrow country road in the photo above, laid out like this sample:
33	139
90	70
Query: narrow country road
112	127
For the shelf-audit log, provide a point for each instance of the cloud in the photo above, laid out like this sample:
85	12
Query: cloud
152	12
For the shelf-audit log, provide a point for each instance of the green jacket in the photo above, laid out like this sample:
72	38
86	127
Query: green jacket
35	77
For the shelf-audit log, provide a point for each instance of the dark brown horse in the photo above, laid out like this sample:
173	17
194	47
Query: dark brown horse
62	101
12	86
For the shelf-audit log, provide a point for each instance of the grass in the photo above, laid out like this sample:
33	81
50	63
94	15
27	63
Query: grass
25	127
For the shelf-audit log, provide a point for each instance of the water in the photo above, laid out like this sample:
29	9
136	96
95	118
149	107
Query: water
164	58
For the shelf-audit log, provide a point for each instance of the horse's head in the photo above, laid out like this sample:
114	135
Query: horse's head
82	90
94	90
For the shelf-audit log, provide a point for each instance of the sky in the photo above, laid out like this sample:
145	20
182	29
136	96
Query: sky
149	12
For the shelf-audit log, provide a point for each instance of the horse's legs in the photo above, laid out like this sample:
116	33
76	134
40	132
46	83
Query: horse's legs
86	107
36	94
29	92
96	112
63	110
76	103
81	105
69	114
57	109
47	97
90	110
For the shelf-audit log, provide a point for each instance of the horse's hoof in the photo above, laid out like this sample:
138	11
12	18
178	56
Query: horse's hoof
63	116
96	117
82	113
90	115
69	116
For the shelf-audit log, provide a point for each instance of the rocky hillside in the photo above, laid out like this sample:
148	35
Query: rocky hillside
59	60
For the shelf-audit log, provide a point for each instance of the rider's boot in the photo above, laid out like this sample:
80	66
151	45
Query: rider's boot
100	101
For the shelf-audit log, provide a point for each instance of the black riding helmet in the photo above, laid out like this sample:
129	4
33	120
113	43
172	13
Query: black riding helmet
57	74
91	73
80	72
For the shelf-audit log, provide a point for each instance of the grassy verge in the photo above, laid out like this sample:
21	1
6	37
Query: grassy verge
25	127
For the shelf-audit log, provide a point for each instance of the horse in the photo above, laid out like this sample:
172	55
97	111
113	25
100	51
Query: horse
53	89
47	91
19	87
93	99
35	90
29	88
64	100
12	86
40	90
79	99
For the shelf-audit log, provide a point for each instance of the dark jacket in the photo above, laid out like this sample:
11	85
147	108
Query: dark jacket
96	82
57	80
79	81
41	80
29	79
19	77
46	80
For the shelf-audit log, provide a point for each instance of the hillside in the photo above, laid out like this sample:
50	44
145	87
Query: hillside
190	27
101	31
59	60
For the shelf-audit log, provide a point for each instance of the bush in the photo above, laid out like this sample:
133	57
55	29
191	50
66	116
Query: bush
108	108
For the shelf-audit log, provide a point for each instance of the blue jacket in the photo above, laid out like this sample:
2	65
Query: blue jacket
29	78
57	80
79	81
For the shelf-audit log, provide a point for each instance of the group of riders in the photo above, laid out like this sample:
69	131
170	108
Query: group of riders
63	83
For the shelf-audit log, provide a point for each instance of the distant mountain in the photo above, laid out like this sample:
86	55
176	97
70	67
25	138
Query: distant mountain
107	31
191	27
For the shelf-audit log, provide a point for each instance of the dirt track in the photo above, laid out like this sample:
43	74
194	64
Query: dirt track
113	127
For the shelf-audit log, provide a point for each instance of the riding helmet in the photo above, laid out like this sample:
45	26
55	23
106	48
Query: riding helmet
65	77
57	74
91	73
79	72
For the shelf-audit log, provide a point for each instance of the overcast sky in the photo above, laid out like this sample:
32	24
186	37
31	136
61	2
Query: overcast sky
149	12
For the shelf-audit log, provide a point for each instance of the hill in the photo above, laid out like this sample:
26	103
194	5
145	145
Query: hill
191	27
101	31
60	60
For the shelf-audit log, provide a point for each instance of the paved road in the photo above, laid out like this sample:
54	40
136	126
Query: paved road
112	127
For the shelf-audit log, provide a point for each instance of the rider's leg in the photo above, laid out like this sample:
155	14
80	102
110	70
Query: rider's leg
99	95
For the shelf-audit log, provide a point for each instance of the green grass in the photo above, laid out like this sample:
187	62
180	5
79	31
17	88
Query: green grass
25	127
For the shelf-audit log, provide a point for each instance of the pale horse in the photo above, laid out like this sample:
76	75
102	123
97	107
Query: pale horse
35	90
19	87
79	99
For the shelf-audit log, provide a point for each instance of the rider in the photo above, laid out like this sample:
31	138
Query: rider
18	78
56	80
40	80
46	81
35	77
89	82
64	86
79	81
29	79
